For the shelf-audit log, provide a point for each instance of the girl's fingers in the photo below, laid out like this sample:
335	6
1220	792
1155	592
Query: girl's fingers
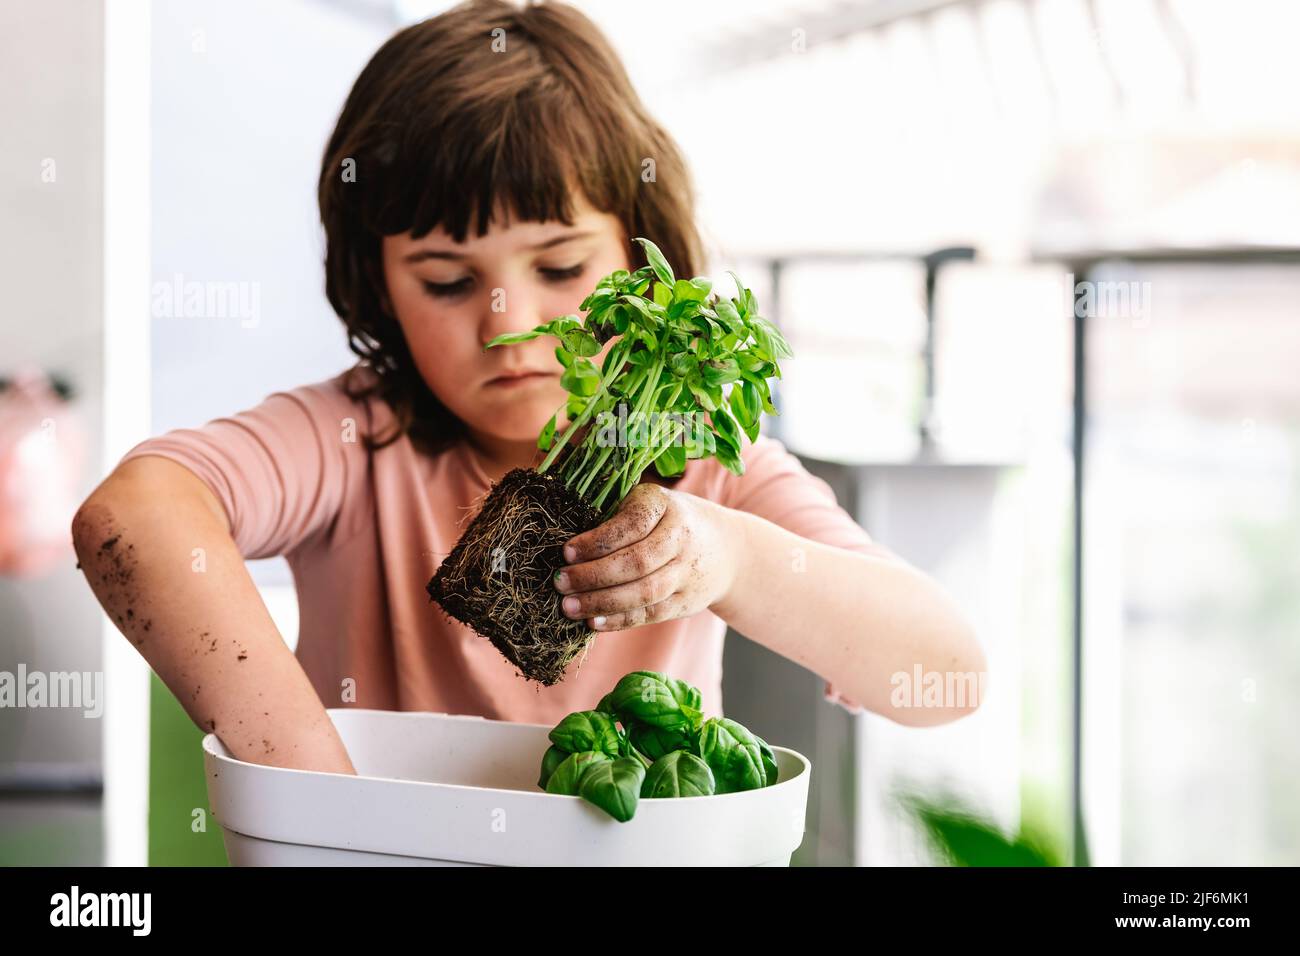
672	607
622	598
632	563
636	517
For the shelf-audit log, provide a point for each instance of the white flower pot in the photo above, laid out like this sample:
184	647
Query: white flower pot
449	790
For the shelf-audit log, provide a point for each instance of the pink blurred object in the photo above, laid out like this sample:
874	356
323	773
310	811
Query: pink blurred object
42	452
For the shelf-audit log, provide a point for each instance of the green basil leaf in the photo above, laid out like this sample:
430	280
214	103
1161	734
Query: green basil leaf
726	427
621	320
656	700
747	406
641	312
692	290
700	442
599	299
580	342
581	378
648	339
764	391
733	754
514	338
678	774
614	786
711	330
739	300
730	458
769	337
688	695
769	761
701	395
744	405
671	461
547	436
753	400
553	757
729	317
600	324
655	742
567	776
662	295
720	371
586	730
657	262
564	355
561	324
681	363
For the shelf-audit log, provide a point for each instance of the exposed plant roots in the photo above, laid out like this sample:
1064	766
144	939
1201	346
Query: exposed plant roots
498	577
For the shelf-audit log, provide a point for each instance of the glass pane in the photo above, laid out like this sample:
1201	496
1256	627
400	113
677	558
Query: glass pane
1192	612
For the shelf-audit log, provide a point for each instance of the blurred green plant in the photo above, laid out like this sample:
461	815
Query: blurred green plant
961	836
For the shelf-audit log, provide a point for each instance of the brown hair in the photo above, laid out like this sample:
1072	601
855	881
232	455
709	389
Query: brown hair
444	127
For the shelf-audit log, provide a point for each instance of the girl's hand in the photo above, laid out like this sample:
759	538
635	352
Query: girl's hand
664	555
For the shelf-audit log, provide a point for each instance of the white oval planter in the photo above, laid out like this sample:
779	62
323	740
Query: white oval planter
450	790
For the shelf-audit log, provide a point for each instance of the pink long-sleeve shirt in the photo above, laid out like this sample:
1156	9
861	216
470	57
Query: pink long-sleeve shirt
363	532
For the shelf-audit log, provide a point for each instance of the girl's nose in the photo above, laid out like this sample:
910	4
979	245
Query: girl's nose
508	309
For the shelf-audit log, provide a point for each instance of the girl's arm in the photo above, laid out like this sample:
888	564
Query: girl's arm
197	617
863	622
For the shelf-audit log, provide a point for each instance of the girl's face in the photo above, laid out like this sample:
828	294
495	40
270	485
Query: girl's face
452	298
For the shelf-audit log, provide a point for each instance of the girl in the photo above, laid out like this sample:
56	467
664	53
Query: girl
485	172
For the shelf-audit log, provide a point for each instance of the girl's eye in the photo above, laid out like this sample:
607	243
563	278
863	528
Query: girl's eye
562	275
446	290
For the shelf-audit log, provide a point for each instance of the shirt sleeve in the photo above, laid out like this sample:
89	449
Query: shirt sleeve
777	486
279	469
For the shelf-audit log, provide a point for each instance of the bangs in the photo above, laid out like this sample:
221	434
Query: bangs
518	151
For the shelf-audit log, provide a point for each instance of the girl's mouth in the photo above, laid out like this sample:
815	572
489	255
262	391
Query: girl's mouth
517	380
